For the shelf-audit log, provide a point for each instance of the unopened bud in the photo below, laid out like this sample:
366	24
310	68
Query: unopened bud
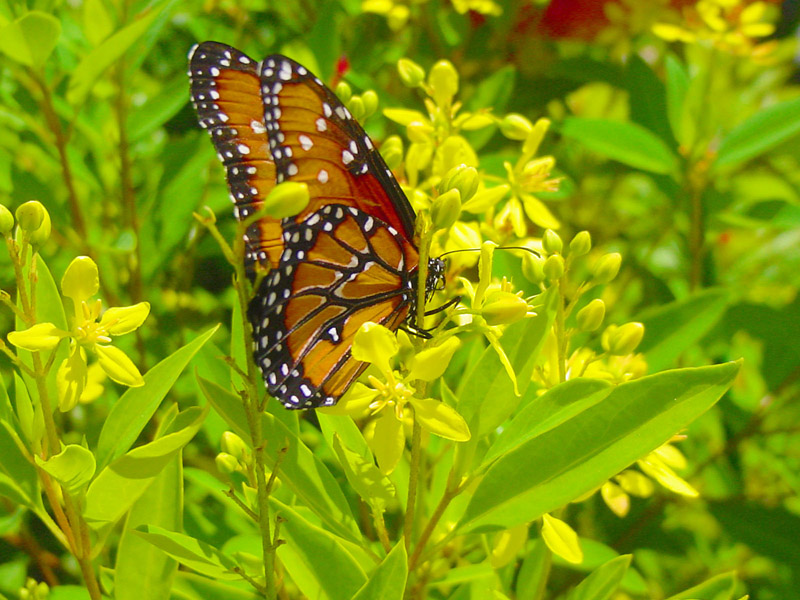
42	234
343	91
533	268
625	339
234	445
443	80
516	127
356	106
370	100
580	244
286	199
392	151
590	317
554	267
551	242
607	267
446	209
226	463
502	308
30	215
462	178
6	220
411	74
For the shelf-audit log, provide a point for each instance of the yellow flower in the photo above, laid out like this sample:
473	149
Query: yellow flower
388	399
81	281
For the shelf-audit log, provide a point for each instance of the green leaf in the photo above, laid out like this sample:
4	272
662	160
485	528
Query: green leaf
133	410
21	483
388	580
157	110
367	479
73	467
345	428
720	587
316	558
300	470
599	442
495	91
97	22
671	329
191	552
603	581
142	570
677	85
122	482
647	98
760	132
103	56
595	555
190	586
547	411
31	39
628	143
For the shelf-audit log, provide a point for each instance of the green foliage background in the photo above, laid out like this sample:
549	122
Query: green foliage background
682	157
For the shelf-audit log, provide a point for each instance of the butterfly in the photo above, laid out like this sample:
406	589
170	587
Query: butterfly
348	258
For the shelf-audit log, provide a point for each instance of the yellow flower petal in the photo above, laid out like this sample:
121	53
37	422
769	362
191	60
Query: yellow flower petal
615	498
71	379
118	366
437	417
431	363
42	336
375	344
388	441
81	280
124	319
354	403
659	471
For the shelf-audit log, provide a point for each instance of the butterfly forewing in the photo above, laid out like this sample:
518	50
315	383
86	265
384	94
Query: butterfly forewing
227	96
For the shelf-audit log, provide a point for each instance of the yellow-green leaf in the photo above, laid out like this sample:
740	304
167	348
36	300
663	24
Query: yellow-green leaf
73	467
561	539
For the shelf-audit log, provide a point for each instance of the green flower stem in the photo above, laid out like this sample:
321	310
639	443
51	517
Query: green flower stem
230	493
54	124
64	529
252	411
561	337
413	479
450	493
380	527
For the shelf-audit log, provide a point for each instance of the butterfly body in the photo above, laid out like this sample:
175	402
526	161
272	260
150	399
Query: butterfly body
349	257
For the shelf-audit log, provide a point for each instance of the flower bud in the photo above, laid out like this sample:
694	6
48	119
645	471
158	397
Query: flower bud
591	316
370	100
286	199
443	80
42	234
411	74
533	268
554	267
625	339
235	446
392	151
551	242
607	267
462	178
502	308
30	215
516	127
356	106
226	463
6	220
419	132
446	209
580	244
344	92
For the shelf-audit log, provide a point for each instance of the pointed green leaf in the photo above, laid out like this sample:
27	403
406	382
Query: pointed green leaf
316	558
133	410
677	84
122	482
720	587
388	580
367	479
18	472
594	445
190	552
603	581
73	467
31	39
759	133
628	143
